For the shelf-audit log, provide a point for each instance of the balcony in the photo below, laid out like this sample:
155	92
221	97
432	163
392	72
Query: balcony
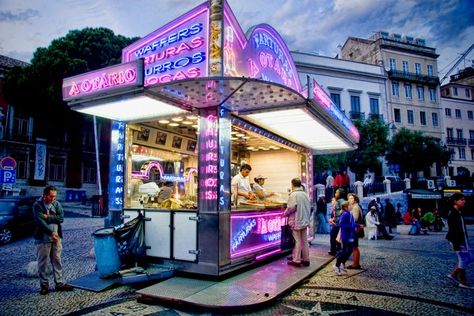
413	77
357	115
457	141
376	116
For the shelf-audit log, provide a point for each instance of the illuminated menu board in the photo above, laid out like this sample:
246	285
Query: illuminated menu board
179	50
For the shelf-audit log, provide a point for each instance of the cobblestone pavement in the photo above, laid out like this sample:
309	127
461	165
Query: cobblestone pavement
404	276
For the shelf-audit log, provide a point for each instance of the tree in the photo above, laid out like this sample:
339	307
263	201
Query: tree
373	143
36	89
414	152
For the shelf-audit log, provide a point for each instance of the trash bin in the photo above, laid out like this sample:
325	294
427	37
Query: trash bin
106	252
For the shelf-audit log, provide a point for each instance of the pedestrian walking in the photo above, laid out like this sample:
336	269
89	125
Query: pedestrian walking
48	216
457	236
356	212
339	198
321	215
347	235
299	215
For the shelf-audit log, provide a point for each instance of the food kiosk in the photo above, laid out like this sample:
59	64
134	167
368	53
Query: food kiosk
189	104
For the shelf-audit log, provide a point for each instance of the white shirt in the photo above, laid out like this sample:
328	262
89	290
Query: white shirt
243	185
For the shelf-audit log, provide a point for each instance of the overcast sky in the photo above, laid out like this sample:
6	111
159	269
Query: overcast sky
306	25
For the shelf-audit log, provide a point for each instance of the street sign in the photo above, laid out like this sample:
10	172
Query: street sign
7	176
8	163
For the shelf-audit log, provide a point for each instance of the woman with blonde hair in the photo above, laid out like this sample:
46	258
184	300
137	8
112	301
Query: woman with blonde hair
356	212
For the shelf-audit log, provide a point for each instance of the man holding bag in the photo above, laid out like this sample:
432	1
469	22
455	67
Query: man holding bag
299	215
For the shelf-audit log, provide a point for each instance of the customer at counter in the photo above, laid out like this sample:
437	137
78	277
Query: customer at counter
259	190
241	184
298	212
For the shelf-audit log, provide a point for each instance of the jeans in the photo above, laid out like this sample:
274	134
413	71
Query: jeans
322	224
464	258
347	248
301	243
50	252
332	238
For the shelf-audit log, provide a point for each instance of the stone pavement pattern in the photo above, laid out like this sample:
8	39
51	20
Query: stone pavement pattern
405	276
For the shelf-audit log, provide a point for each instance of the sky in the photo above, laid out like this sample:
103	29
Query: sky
316	26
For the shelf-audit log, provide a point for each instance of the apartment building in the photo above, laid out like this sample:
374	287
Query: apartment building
413	84
457	101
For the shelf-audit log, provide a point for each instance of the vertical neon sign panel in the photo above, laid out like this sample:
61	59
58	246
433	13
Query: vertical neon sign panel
117	162
208	160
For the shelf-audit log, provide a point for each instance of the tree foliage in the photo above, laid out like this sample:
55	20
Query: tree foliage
372	144
36	89
412	151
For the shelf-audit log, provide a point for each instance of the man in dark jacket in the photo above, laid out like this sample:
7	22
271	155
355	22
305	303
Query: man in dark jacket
457	236
48	215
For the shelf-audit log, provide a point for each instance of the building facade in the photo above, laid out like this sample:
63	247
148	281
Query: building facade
413	84
357	88
67	161
457	101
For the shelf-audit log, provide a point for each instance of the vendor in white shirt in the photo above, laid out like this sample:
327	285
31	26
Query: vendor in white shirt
242	183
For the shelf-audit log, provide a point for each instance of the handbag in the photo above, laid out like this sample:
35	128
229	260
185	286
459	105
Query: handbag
287	239
338	237
360	230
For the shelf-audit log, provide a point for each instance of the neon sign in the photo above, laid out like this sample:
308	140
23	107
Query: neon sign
117	158
176	51
253	232
110	78
208	169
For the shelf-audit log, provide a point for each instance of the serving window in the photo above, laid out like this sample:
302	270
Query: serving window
162	164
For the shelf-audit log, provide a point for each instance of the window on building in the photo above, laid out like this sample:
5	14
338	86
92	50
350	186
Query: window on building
459	133
410	117
374	106
422	118
471	135
447	112
455	91
336	98
472	154
449	133
355	103
56	168
421	93
434	119
89	172
393	64
408	93
462	153
21	159
470	115
405	67
20	127
433	96
418	68
395	89
457	112
468	93
429	70
397	115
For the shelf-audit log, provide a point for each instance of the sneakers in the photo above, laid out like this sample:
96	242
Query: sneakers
305	263
452	278
331	253
44	290
64	287
343	268
337	270
465	286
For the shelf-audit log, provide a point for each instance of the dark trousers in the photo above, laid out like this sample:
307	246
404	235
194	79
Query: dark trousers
383	230
332	239
347	248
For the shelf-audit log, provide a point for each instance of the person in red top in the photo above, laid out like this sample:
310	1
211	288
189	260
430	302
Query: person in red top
346	181
338	180
407	218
